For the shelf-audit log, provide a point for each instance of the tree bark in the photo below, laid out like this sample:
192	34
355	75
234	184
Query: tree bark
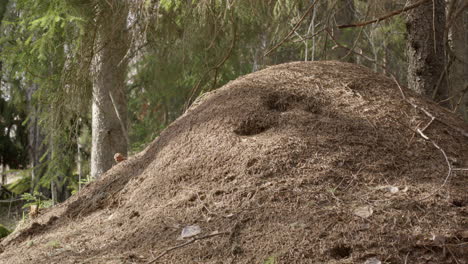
3	7
426	49
109	110
2	171
36	148
79	162
458	75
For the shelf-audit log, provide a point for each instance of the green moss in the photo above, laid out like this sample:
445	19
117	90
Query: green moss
4	231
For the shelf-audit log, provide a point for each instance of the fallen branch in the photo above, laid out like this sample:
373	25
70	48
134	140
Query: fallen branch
185	244
393	13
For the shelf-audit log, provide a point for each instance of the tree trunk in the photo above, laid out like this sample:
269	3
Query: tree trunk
53	190
79	162
426	50
36	148
3	8
458	75
109	110
2	171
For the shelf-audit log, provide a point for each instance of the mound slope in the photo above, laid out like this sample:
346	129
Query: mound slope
306	162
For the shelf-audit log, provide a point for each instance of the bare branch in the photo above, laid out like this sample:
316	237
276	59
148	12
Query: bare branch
311	7
393	13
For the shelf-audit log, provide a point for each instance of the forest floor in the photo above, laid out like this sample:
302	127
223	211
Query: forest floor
307	162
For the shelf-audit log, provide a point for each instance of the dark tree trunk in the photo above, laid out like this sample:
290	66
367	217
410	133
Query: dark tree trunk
458	74
426	49
36	147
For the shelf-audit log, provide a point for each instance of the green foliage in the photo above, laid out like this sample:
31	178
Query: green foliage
54	244
41	44
36	198
22	185
4	231
270	260
44	55
13	134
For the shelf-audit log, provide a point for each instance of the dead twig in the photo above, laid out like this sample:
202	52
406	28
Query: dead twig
455	16
427	113
393	13
185	244
462	95
10	200
421	133
215	68
311	7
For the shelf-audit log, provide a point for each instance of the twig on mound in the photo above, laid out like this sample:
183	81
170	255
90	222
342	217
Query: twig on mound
460	130
450	168
185	244
421	133
427	113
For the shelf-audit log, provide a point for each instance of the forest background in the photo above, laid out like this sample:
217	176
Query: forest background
84	79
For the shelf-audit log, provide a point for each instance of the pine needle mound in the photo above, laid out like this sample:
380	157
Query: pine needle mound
305	162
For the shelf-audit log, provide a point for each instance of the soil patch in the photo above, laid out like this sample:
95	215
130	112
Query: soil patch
306	162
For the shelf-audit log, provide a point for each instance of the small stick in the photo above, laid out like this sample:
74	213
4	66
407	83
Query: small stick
450	168
185	244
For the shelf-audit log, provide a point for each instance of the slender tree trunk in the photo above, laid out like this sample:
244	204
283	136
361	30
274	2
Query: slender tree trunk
36	148
2	171
79	162
426	50
53	190
259	61
109	110
458	76
312	33
3	8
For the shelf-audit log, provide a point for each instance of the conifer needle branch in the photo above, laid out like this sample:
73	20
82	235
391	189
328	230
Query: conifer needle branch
393	13
311	7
